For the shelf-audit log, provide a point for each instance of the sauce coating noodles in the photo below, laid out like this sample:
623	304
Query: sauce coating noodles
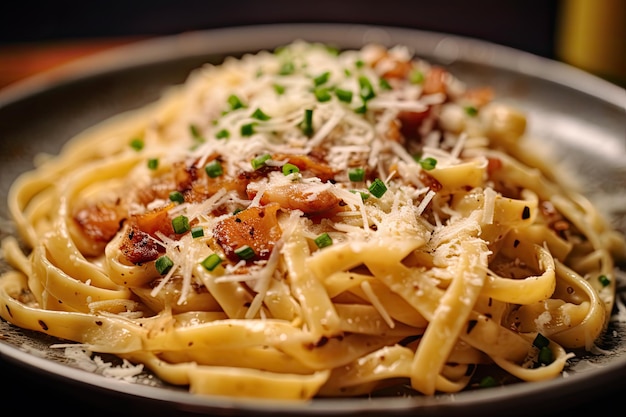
306	223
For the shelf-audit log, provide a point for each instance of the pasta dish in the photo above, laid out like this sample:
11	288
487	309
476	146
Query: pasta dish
308	222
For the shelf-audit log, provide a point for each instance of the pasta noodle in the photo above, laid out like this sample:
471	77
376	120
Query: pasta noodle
305	223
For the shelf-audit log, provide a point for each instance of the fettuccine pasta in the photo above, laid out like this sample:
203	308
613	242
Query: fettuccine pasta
305	223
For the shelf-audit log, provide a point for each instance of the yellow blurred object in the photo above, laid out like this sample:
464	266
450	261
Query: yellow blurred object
591	35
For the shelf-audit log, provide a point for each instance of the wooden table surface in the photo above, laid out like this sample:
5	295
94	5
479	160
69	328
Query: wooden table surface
21	60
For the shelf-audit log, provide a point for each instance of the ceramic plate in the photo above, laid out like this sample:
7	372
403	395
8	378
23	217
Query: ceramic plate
583	116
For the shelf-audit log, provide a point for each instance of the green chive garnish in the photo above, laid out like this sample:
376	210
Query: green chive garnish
177	197
259	161
428	163
604	280
247	129
245	252
195	133
384	84
163	264
287	68
307	123
290	169
180	224
344	95
545	356
378	188
153	163
280	89
323	240
366	91
234	102
137	144
322	94
321	79
211	262
222	134
541	341
356	174
487	382
471	111
197	231
416	77
259	115
214	169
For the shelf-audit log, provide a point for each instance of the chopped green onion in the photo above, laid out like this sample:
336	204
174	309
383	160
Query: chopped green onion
195	133
416	77
259	115
222	134
356	174
211	262
180	224
177	197
137	144
362	109
344	95
153	163
163	264
247	129
280	89
323	240
366	90
428	163
214	169
290	169
545	355
487	382
259	161
322	94
245	252
541	341
384	84
287	68
234	102
364	195
359	63
378	188
321	79
604	280
471	110
197	231
307	123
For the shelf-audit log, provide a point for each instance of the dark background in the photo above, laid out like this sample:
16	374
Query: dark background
528	25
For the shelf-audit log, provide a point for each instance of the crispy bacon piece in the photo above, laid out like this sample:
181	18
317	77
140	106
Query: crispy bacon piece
430	181
435	81
96	224
139	247
139	244
299	196
308	164
256	227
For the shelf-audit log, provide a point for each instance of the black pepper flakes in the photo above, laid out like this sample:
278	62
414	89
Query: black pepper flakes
526	213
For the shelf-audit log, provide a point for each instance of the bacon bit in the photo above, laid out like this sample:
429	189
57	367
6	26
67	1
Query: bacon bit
435	81
98	223
256	227
394	132
479	96
430	181
157	220
309	164
410	122
493	165
401	70
138	247
297	196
